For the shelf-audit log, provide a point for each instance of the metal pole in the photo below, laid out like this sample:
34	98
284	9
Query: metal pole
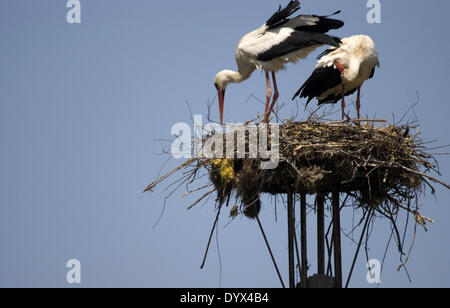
291	230
320	203
304	241
337	240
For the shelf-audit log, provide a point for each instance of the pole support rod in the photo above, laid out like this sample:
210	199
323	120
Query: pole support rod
304	241
320	203
291	230
337	240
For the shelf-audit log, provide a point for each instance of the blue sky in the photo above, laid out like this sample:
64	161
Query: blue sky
82	108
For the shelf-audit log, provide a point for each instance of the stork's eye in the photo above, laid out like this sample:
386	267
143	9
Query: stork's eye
217	86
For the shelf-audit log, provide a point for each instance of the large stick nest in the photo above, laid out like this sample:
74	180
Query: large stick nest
379	166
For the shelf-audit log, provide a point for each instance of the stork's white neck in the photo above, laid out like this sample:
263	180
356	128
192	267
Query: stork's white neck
237	77
226	77
232	76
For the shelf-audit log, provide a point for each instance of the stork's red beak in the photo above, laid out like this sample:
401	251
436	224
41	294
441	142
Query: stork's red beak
221	94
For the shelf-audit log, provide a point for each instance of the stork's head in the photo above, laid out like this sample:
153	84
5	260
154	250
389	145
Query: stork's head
221	82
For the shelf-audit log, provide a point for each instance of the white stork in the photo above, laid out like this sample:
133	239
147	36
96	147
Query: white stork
341	72
279	41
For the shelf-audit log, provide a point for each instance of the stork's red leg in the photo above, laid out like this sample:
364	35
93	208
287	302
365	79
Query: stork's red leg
358	103
276	95
341	68
343	103
268	94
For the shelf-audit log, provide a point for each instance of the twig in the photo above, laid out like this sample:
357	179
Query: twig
357	121
369	216
203	197
410	250
270	251
425	175
163	178
210	237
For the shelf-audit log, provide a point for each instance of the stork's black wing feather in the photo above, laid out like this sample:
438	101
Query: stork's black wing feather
298	40
280	17
324	24
321	80
326	52
332	99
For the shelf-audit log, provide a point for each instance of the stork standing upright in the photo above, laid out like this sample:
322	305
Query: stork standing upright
279	41
341	72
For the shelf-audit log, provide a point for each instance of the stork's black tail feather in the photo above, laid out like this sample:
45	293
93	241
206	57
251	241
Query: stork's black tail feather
334	14
282	14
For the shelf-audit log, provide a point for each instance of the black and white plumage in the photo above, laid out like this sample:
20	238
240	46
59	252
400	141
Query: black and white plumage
341	72
279	41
